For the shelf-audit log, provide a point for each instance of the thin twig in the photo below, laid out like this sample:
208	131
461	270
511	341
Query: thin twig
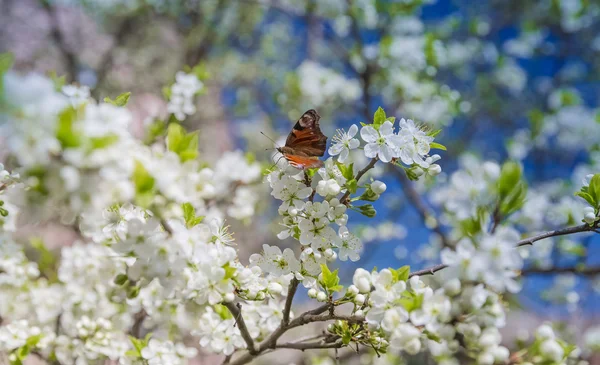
57	35
344	198
166	226
523	242
136	329
236	311
585	271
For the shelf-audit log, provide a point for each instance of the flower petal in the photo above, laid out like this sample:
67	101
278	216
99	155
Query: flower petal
369	134
352	131
371	149
386	129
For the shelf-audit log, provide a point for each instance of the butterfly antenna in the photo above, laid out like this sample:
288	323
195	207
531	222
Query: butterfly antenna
269	138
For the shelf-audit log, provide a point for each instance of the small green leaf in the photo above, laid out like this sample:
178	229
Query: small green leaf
229	271
144	185
509	177
59	81
594	189
6	62
401	274
437	146
185	145
330	280
189	215
379	118
97	143
66	132
121	100
352	185
587	198
515	200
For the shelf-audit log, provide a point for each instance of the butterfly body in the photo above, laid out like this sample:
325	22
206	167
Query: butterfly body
305	143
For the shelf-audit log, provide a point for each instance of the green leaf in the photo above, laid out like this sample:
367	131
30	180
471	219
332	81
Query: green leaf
121	100
379	118
189	215
515	200
437	146
587	198
229	271
346	337
401	274
536	122
6	62
66	132
59	81
594	189
144	185
185	145
97	143
352	185
330	280
47	262
509	177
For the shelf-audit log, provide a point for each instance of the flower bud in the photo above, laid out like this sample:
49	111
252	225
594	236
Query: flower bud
228	297
545	332
551	350
434	170
312	293
413	346
352	290
275	287
359	299
378	187
362	280
452	287
359	313
321	296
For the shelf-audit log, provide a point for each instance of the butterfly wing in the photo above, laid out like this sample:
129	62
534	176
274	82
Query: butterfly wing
306	138
303	162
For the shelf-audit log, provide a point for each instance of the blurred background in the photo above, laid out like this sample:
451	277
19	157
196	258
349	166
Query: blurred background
503	79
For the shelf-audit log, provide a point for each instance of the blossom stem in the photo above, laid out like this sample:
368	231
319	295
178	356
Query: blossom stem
523	242
344	199
236	311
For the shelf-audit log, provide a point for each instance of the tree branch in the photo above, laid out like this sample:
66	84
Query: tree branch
585	271
307	317
236	311
57	35
311	345
288	301
523	242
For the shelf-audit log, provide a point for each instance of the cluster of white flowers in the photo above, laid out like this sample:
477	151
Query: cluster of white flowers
181	100
492	259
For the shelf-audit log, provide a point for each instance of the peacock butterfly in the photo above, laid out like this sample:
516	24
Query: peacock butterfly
305	143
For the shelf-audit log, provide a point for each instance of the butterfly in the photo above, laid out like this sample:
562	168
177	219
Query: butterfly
305	143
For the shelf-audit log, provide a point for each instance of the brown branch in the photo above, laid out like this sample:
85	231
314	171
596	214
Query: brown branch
58	37
236	311
288	301
585	271
270	342
523	242
311	345
136	329
424	212
344	199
